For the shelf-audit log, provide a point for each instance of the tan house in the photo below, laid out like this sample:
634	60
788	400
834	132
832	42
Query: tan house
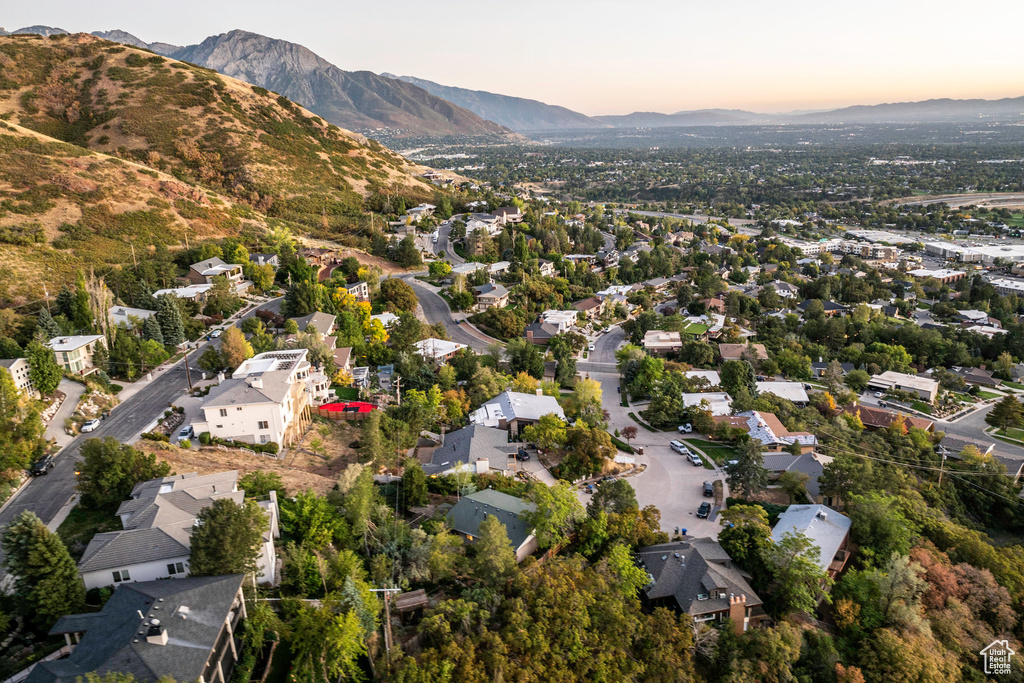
202	273
660	342
491	295
18	369
592	307
74	353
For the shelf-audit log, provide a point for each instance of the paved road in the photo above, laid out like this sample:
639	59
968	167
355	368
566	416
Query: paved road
436	310
690	217
46	495
444	246
990	199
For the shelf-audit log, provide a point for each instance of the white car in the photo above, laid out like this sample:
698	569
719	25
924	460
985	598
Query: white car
680	448
591	347
89	426
879	394
686	428
216	333
695	459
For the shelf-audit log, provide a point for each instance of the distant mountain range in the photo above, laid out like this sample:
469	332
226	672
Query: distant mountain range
364	101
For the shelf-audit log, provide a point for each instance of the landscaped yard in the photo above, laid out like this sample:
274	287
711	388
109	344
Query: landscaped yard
921	407
347	393
81	525
1012	434
988	394
717	451
696	329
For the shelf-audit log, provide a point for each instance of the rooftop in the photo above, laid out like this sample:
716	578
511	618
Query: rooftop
513	405
466	516
59	344
436	349
825	527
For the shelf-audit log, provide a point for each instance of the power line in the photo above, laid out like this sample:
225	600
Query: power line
908	464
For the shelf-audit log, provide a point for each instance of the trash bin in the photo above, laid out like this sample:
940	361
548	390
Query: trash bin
684	532
639	450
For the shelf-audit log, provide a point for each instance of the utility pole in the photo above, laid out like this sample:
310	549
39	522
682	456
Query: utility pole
398	390
942	466
387	617
132	245
188	375
46	295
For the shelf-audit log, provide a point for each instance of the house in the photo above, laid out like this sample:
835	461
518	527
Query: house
466	515
697	577
184	630
74	353
265	401
130	318
343	358
660	342
710	376
316	256
360	290
509	214
499	268
818	369
203	273
563	320
18	369
361	377
951	446
777	463
321	322
490	295
752	352
157	522
769	430
791	391
813	465
265	260
825	528
540	333
421	211
785	290
591	308
386	319
879	418
514	410
714	304
195	293
924	388
385	377
979	376
476	447
831	307
717	402
438	351
550	371
658	284
547	268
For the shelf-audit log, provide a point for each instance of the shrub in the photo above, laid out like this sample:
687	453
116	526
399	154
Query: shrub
185	443
205	438
156	436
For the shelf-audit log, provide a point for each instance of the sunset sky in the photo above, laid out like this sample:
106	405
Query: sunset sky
616	56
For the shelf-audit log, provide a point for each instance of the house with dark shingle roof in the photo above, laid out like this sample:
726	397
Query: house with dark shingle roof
468	446
465	518
697	577
180	630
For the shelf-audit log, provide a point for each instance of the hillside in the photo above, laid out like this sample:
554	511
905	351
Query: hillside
132	148
518	113
358	100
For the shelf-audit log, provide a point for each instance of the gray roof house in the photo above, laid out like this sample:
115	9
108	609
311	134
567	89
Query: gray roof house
157	521
697	577
322	322
465	518
182	630
825	527
468	446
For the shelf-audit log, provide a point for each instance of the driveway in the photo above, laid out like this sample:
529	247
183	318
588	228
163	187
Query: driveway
55	430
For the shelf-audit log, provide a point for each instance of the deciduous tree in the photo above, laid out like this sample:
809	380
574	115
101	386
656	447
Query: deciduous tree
227	538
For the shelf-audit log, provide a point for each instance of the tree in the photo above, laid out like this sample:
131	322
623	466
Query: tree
262	276
212	360
9	348
586	402
858	380
169	316
397	295
234	348
557	511
1006	414
407	255
737	375
439	269
548	433
613	497
47	325
43	370
258	484
879	527
1003	365
414	484
151	331
312	520
110	470
46	585
745	536
81	312
748	473
523	356
794	484
495	559
227	538
629	433
327	643
799	582
631	578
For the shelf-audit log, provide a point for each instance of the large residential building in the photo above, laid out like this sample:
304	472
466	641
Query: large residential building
491	295
753	352
474	448
924	388
716	402
514	410
826	528
563	320
697	577
266	400
196	293
74	353
18	369
660	342
181	630
465	518
437	351
791	391
204	272
155	541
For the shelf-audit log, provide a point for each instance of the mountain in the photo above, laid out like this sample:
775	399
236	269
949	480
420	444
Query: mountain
928	111
518	113
358	100
108	147
123	37
704	117
45	31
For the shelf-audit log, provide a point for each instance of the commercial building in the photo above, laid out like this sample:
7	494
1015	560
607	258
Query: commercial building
943	275
924	388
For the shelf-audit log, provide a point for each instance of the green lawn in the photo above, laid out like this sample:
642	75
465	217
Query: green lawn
1012	433
717	451
921	407
82	524
642	423
347	393
988	394
1013	385
696	329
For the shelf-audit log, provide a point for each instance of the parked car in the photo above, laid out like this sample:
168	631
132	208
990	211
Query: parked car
90	426
522	455
589	488
704	510
609	478
216	333
695	459
679	447
591	347
686	428
709	489
879	394
186	432
41	466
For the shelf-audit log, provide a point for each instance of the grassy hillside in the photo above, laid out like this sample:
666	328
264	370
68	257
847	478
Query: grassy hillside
106	147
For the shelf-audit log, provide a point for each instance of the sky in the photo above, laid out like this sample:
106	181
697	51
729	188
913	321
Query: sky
616	56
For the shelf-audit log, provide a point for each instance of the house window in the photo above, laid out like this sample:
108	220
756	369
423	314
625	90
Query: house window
264	438
239	408
223	412
263	424
175	568
121	576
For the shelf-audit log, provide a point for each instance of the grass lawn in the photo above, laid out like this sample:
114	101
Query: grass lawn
924	307
642	423
1012	434
695	329
714	450
1013	385
988	394
921	407
82	524
347	393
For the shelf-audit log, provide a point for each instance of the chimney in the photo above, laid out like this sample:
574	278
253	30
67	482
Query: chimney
256	382
540	392
157	634
738	612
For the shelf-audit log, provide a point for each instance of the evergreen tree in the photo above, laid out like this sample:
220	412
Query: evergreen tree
748	472
414	484
81	312
407	255
227	538
151	330
46	581
125	359
42	368
171	326
495	559
46	324
64	302
1006	414
100	357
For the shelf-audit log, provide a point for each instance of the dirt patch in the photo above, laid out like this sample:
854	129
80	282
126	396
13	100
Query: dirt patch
775	496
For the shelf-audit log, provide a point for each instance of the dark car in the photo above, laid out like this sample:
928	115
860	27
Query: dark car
709	489
41	466
522	455
704	510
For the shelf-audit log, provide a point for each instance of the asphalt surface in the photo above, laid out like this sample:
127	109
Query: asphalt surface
444	246
436	309
46	495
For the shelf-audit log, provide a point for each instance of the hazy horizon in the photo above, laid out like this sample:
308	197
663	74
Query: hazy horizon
608	57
